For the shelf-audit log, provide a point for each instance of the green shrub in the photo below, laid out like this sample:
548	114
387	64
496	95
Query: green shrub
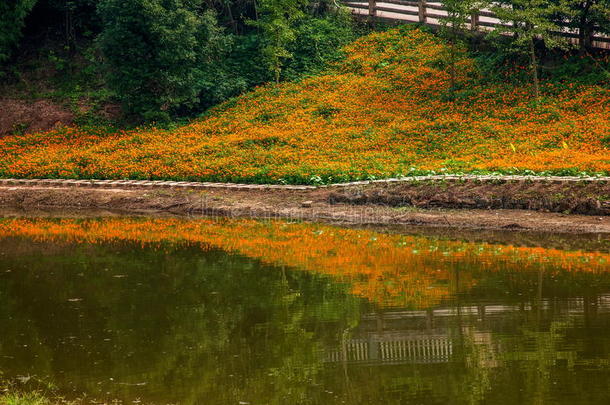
318	42
163	57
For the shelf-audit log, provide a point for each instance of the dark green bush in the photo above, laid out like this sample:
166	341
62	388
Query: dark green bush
318	42
12	16
164	57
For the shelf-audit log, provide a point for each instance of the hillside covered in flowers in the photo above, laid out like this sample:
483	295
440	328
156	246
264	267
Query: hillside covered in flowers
385	110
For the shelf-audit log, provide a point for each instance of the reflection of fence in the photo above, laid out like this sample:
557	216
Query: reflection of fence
424	337
424	12
395	347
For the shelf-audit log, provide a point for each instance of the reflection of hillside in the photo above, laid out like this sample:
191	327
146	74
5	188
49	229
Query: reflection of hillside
390	270
161	302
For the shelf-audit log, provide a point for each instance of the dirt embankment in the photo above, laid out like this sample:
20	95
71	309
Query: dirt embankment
590	198
357	205
21	116
24	116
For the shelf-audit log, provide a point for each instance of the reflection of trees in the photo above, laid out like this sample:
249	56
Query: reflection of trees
537	352
205	326
191	325
531	346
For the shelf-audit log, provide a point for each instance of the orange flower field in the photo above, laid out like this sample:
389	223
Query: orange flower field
383	111
386	269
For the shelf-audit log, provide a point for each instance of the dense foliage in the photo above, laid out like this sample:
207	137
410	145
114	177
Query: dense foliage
169	58
164	59
586	16
12	16
383	111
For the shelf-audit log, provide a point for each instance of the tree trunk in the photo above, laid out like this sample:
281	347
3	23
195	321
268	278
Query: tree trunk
452	62
255	14
231	18
68	24
585	30
534	61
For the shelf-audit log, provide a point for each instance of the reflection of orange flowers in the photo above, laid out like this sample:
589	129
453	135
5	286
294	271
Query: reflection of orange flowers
381	111
387	269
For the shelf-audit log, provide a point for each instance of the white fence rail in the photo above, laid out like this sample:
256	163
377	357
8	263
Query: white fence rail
430	13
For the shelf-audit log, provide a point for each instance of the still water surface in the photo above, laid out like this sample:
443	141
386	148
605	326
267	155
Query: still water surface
158	311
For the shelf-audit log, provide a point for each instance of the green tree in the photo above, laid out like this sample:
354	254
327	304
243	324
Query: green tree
528	21
160	54
12	16
276	22
587	17
459	15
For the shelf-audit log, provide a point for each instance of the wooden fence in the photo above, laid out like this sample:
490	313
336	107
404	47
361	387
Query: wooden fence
430	13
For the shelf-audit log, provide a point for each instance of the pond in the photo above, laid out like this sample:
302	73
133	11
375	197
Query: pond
203	311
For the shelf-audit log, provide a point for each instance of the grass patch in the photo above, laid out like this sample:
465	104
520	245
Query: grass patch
28	398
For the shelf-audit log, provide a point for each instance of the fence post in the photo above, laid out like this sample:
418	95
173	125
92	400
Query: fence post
372	5
421	5
474	20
